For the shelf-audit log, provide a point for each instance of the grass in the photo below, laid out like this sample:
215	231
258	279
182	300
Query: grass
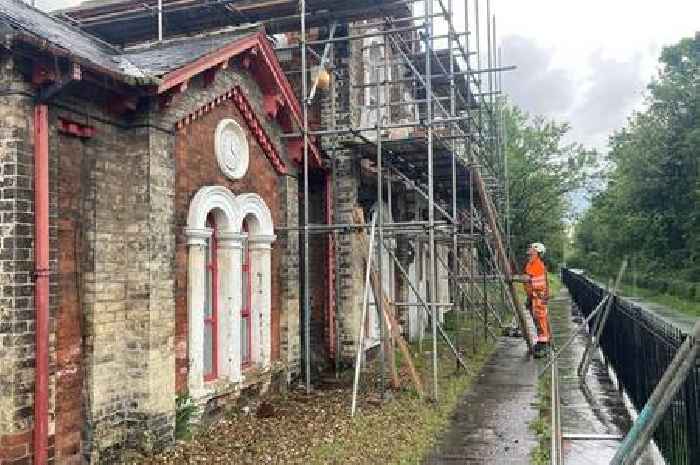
685	306
689	307
555	284
541	426
406	428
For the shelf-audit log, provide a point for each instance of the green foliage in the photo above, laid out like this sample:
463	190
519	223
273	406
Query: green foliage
648	210
555	284
184	408
543	171
541	425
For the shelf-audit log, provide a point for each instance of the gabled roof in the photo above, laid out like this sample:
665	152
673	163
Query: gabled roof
160	59
210	53
166	67
33	26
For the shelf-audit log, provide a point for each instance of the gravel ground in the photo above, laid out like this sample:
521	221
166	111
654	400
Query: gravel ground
317	429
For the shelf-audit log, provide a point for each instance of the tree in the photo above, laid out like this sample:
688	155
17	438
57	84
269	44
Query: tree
649	208
543	172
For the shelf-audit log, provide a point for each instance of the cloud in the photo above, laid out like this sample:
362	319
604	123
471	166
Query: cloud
616	87
537	85
595	97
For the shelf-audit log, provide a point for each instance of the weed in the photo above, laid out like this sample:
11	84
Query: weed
184	408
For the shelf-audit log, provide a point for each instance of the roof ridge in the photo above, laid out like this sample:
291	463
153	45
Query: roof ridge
152	45
65	23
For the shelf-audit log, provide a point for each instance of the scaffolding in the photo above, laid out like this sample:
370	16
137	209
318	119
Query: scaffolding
430	118
453	157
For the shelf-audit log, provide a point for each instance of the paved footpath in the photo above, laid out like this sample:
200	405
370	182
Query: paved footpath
490	424
598	410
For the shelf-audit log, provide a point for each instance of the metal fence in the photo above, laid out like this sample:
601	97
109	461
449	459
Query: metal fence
640	346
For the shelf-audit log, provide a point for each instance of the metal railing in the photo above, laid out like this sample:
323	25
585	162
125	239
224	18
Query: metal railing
640	346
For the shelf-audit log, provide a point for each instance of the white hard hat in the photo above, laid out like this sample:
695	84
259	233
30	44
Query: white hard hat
539	247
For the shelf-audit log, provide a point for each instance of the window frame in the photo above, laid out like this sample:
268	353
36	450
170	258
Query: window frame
212	273
247	302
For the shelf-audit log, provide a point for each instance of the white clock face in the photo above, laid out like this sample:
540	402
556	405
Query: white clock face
232	150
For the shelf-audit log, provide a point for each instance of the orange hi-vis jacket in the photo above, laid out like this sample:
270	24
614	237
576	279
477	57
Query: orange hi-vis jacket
537	271
537	290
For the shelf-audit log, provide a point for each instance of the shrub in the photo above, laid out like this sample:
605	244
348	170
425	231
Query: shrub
184	408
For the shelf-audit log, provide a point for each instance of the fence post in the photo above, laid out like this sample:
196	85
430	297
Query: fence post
592	345
647	354
655	408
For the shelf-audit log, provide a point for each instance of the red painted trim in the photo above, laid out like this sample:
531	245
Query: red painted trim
246	307
270	58
330	268
213	320
257	130
41	287
215	58
262	57
72	128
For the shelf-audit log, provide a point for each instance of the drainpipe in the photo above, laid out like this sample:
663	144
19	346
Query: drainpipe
41	286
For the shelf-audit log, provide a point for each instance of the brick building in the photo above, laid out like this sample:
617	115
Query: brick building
173	206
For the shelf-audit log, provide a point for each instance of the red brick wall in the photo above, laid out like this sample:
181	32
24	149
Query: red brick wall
16	449
196	167
317	272
68	151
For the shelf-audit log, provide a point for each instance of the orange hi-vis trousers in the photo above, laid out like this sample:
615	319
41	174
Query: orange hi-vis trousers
539	313
537	290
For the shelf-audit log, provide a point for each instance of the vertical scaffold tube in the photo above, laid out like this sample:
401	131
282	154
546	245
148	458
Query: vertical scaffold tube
428	11
304	90
380	219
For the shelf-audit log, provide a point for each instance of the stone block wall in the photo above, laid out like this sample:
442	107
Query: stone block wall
16	266
111	300
318	276
68	165
290	327
115	326
350	276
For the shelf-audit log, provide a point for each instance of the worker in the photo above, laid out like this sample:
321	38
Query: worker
537	289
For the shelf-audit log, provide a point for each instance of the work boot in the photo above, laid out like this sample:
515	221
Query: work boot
540	350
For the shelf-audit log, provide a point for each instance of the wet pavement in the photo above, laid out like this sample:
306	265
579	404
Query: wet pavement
490	424
600	409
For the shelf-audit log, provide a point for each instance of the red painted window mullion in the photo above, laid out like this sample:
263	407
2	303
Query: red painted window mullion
215	304
213	268
245	310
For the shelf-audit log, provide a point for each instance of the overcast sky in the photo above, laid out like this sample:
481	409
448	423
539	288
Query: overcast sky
587	62
582	61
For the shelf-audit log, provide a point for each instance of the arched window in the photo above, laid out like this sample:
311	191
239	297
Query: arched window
229	287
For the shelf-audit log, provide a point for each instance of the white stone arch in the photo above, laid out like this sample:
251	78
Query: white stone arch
222	202
260	236
216	198
230	211
252	204
373	61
